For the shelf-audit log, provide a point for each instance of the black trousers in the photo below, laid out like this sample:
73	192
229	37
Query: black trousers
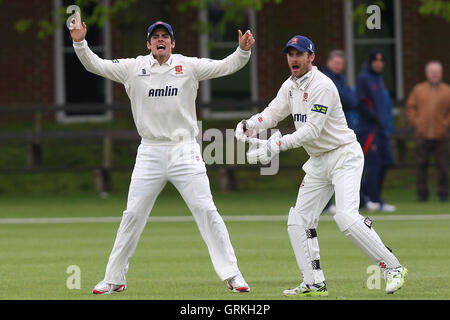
424	150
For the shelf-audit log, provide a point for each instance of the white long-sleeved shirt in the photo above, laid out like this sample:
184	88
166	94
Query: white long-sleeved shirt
162	96
313	101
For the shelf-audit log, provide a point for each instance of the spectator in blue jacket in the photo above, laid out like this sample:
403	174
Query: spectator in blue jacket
372	132
335	70
390	115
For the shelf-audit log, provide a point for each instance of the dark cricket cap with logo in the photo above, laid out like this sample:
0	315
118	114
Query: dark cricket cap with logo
160	24
300	43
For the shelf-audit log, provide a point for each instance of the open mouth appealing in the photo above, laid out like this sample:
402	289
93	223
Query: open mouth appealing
295	67
160	47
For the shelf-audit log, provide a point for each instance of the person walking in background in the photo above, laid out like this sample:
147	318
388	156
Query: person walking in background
374	116
428	111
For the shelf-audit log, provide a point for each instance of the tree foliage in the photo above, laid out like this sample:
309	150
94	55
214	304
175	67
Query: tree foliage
439	8
232	13
360	16
100	14
233	10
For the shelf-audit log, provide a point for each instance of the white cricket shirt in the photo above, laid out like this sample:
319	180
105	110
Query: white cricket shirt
313	101
162	96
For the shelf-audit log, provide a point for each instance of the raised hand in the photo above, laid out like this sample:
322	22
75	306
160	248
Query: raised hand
77	29
246	41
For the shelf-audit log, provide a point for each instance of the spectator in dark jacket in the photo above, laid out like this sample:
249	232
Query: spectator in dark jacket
374	120
334	69
390	116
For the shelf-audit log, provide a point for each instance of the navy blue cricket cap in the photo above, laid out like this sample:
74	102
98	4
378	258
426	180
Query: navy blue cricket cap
160	24
375	54
300	43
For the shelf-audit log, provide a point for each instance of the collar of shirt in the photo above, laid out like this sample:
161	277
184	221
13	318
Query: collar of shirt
304	80
153	61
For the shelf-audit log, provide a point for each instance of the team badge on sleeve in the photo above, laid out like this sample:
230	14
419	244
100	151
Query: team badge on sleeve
115	61
319	108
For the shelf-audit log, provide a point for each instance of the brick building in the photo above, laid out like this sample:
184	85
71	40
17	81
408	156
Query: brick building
36	72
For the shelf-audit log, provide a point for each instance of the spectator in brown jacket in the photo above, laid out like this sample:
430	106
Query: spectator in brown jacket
428	111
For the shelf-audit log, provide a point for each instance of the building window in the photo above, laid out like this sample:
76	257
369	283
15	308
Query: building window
388	39
222	94
74	86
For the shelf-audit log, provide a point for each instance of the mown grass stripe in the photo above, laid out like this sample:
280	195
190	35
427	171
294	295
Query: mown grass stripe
225	218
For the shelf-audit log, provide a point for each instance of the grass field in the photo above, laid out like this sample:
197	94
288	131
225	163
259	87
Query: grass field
171	261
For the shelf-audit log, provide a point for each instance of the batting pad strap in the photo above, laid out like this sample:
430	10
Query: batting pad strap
316	264
311	233
368	222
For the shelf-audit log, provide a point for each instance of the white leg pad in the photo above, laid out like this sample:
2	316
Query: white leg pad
364	237
306	249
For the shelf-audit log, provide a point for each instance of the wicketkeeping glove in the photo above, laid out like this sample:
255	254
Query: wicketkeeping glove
247	128
264	150
239	134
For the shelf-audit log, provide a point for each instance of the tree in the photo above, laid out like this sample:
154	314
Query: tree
359	15
439	8
232	9
101	13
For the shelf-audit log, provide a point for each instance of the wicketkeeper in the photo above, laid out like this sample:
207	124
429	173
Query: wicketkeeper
335	166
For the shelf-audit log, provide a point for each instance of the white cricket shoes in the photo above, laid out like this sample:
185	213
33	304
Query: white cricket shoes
373	206
377	206
395	278
386	207
107	288
238	284
305	290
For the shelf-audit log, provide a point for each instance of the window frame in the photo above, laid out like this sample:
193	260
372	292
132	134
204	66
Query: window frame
205	86
59	51
351	43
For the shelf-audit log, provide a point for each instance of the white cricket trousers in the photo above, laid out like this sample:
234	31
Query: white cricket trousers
337	171
183	166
